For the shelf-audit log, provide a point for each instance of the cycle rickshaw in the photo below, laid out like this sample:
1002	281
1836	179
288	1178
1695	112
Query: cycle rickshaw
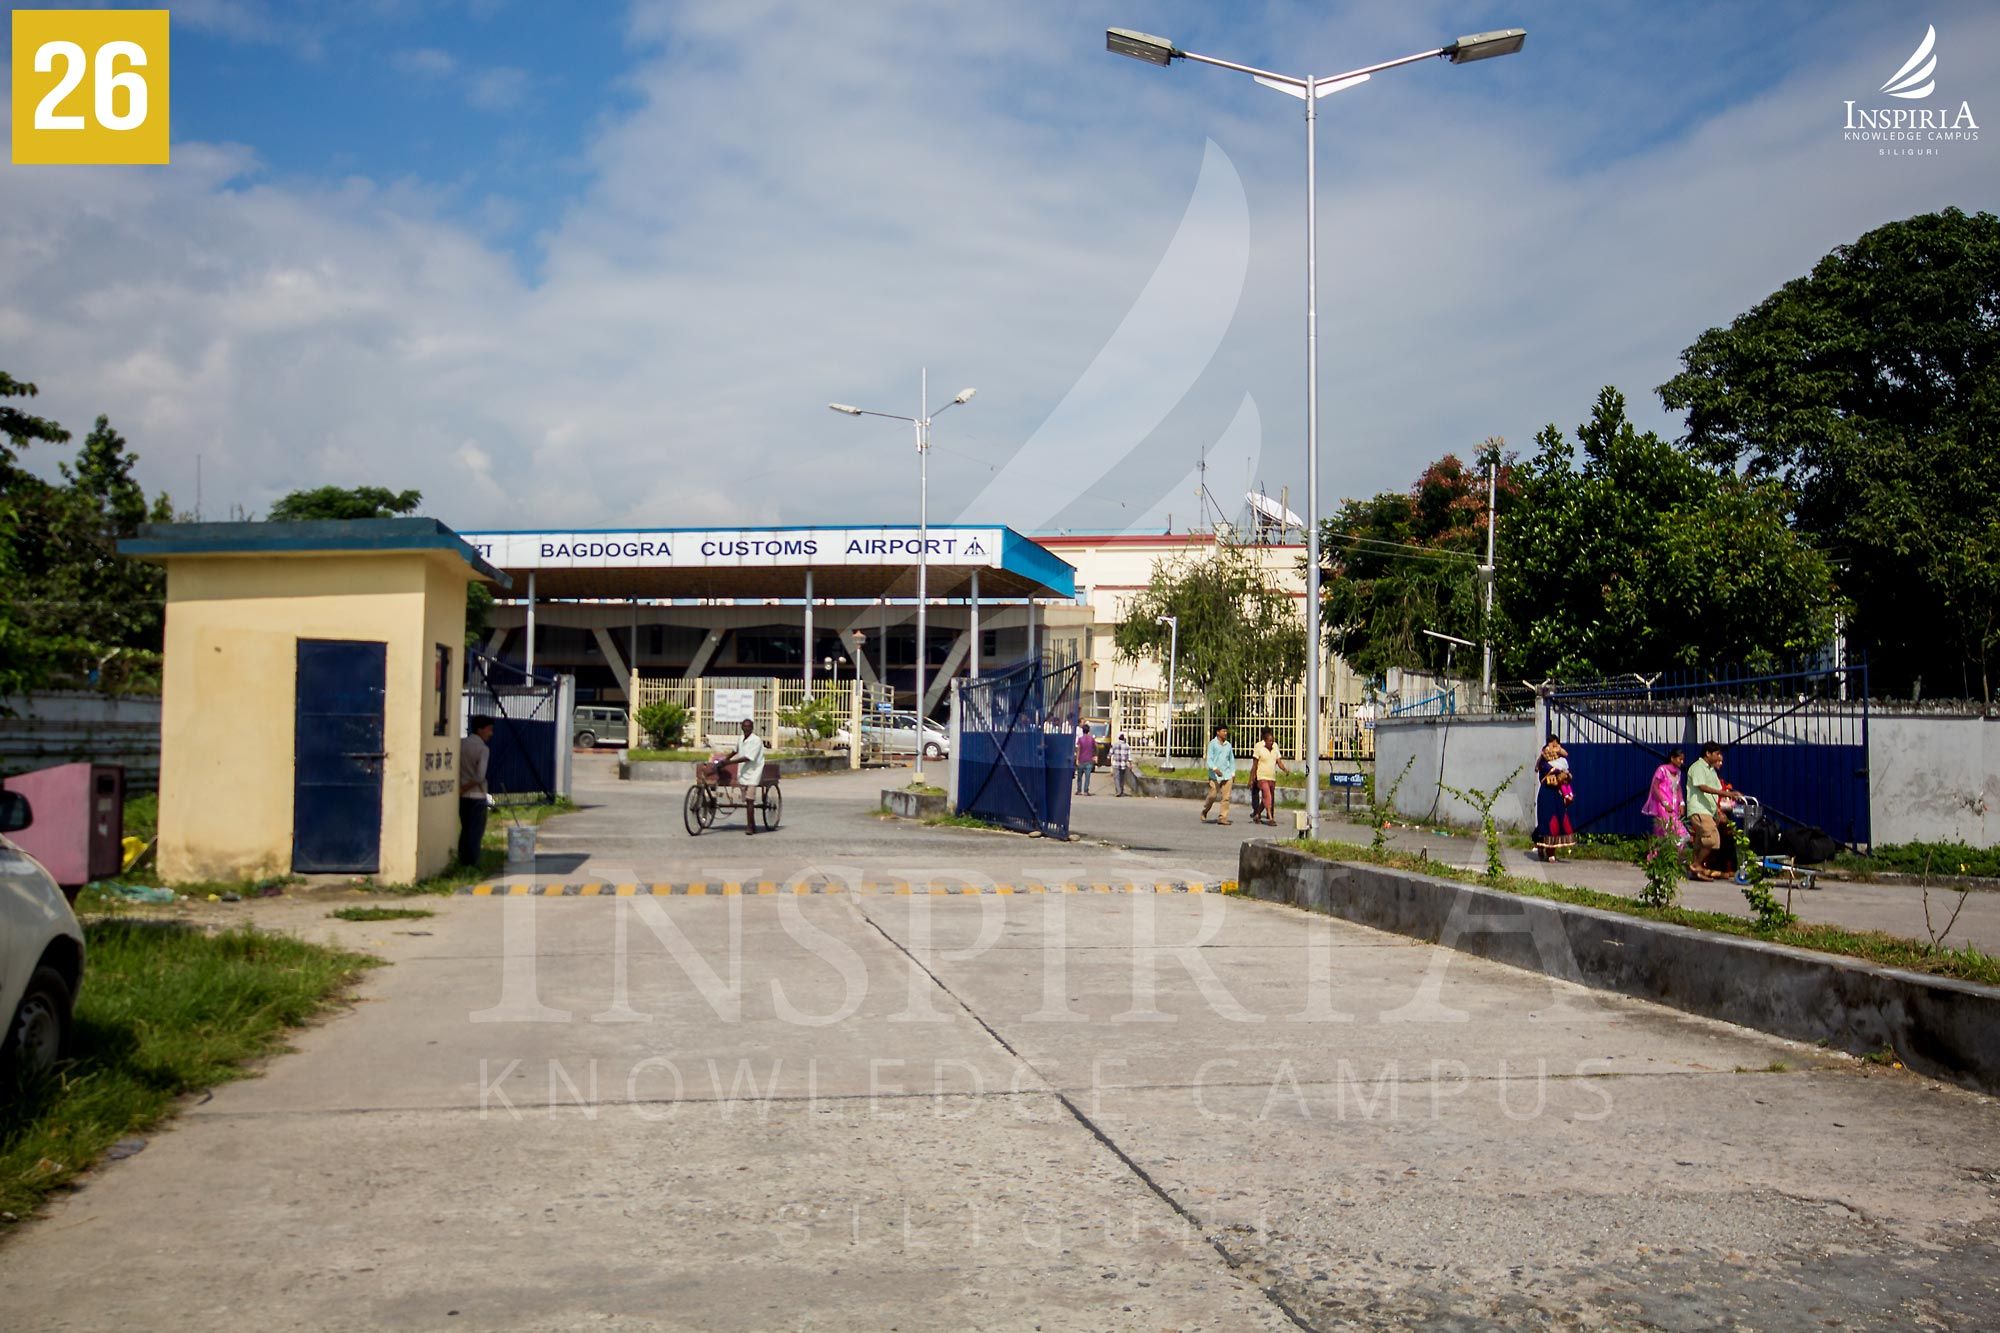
713	793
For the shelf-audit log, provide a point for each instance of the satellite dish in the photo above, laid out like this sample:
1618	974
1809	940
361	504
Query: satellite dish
1272	512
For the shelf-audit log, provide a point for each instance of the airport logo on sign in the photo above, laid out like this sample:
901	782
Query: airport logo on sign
1912	131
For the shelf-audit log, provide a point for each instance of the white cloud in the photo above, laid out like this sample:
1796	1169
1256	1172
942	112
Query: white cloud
425	60
808	203
499	89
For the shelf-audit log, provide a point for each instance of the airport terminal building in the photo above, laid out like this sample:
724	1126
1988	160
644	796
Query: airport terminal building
799	603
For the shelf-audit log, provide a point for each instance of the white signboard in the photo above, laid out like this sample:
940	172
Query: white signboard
732	706
735	548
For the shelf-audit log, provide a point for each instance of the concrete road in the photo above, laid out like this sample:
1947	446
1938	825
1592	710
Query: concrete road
1096	1111
632	833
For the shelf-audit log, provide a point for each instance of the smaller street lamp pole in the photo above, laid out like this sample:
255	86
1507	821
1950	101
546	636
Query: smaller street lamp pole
1486	572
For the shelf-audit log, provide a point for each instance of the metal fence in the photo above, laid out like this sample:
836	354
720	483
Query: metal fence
717	705
1140	716
1017	747
1797	741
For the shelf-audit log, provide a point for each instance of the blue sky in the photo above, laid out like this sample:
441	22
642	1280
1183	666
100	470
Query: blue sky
603	263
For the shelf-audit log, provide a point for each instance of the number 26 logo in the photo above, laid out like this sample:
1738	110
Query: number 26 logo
90	87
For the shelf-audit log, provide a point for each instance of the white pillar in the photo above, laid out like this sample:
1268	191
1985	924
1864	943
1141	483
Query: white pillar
809	631
1034	644
975	624
531	622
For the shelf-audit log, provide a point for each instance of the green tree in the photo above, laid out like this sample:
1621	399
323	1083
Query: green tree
358	502
73	610
25	658
1239	635
1637	557
1403	562
1871	388
344	502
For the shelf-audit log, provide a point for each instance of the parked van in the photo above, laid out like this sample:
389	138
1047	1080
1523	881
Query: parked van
600	726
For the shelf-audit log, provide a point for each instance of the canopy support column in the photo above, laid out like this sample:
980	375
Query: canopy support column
974	623
809	632
531	623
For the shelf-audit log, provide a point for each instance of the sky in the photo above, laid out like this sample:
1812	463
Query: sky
604	264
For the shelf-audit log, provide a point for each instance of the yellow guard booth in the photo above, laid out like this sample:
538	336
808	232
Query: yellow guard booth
312	689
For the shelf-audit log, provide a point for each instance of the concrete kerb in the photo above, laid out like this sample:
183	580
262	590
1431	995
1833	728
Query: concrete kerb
1937	1026
912	804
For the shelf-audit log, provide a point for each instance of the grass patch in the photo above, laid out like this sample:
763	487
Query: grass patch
1937	859
924	789
961	821
142	816
381	913
1967	964
165	1010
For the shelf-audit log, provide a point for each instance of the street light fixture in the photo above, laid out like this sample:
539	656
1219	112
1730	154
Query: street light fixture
1155	50
922	422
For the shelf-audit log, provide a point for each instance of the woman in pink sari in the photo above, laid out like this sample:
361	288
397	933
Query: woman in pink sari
1664	802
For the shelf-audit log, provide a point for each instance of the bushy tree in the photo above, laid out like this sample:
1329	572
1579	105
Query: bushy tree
1402	562
1624	553
1871	388
344	502
1239	635
72	610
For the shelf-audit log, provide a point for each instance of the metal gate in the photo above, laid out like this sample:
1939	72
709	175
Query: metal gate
532	727
1016	750
1797	741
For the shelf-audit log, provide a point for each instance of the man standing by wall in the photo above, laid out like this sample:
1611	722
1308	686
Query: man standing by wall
472	798
1221	774
1086	757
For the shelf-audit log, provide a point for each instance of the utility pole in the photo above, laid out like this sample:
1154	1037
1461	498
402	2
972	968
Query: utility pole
1486	572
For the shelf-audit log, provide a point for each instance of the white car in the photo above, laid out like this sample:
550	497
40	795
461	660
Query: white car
41	954
896	733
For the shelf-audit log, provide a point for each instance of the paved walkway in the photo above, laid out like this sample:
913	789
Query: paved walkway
1057	1111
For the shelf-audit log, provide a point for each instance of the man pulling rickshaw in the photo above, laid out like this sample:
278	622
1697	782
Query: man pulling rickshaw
742	775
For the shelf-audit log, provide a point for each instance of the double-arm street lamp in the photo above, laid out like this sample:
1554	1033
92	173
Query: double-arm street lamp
1159	51
922	421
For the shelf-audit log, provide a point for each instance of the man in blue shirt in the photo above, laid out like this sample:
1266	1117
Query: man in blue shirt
1221	774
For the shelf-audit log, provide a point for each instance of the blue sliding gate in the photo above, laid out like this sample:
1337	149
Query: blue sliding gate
1797	741
1017	747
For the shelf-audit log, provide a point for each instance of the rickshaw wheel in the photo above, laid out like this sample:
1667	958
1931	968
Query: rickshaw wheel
694	811
773	804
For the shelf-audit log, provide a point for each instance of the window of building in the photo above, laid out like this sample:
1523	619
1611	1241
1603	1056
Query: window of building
441	683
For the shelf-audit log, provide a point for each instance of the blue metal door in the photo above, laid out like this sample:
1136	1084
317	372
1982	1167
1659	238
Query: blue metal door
337	765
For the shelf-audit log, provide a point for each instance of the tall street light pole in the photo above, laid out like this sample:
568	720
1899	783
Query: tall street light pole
1173	662
922	422
1159	51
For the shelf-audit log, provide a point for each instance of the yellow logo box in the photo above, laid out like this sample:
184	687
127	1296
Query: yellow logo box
90	87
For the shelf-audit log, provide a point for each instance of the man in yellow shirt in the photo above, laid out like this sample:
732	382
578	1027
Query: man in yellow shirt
1266	765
